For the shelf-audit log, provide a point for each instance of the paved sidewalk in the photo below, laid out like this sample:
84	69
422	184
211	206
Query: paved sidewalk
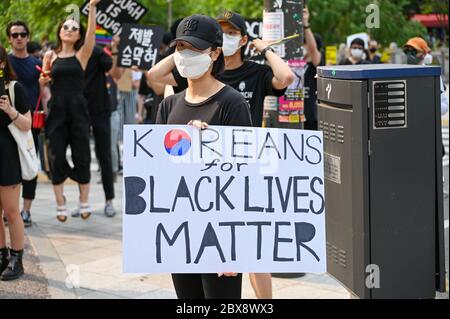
33	285
88	254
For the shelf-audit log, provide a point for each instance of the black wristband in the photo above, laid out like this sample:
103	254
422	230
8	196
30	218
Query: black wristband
269	48
306	27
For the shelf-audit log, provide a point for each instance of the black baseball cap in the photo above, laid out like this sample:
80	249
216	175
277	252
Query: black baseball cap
235	19
201	31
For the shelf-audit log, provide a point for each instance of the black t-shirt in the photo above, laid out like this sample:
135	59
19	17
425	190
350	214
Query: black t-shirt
227	107
20	103
95	89
254	82
28	76
112	92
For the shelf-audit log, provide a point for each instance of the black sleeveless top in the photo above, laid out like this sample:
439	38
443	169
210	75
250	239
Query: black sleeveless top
67	75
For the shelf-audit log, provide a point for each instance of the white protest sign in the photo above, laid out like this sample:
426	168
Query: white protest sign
363	36
273	30
226	199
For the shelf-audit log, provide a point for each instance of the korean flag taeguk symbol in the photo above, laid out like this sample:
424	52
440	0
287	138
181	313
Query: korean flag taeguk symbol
177	142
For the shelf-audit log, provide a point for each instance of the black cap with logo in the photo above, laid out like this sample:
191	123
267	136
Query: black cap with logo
235	19
201	31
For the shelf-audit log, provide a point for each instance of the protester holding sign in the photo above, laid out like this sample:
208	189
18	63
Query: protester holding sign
68	118
13	110
200	60
254	81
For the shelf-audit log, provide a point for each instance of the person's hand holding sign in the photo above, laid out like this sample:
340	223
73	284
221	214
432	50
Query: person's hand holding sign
259	45
94	2
198	124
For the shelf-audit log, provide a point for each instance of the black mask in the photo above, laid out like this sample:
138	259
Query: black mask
373	50
413	59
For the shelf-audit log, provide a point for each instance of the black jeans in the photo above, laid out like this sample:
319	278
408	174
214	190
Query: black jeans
207	286
29	187
101	128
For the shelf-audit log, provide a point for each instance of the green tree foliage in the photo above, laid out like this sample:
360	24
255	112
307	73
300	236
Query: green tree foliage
333	19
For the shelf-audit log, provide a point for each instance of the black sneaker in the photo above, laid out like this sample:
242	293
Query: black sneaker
26	217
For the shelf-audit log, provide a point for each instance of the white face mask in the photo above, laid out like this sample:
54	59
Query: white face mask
192	64
231	43
357	53
428	59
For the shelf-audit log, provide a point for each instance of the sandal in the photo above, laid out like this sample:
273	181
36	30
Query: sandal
85	211
61	212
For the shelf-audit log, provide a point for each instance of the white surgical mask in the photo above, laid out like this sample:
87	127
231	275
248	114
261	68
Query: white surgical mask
357	53
428	59
231	44
192	64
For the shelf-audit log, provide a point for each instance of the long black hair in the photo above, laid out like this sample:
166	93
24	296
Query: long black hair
218	65
78	44
9	73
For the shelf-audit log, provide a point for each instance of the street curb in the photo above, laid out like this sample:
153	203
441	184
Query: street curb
51	265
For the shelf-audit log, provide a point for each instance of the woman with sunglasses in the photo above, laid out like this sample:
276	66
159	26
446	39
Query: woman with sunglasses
200	59
68	118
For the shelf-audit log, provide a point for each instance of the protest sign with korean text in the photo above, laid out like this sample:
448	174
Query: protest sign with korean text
139	46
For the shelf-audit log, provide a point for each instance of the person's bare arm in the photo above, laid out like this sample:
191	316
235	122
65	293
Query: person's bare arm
46	95
282	74
21	121
161	73
140	113
86	50
158	88
311	44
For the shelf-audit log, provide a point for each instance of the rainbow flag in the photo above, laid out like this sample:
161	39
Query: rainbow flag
102	36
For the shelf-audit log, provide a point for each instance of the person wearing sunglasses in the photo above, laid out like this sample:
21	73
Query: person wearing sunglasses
68	117
24	65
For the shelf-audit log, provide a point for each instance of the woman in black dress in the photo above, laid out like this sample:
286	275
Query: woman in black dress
68	118
10	173
206	101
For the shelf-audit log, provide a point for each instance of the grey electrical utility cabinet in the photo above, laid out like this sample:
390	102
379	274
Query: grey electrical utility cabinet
383	178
